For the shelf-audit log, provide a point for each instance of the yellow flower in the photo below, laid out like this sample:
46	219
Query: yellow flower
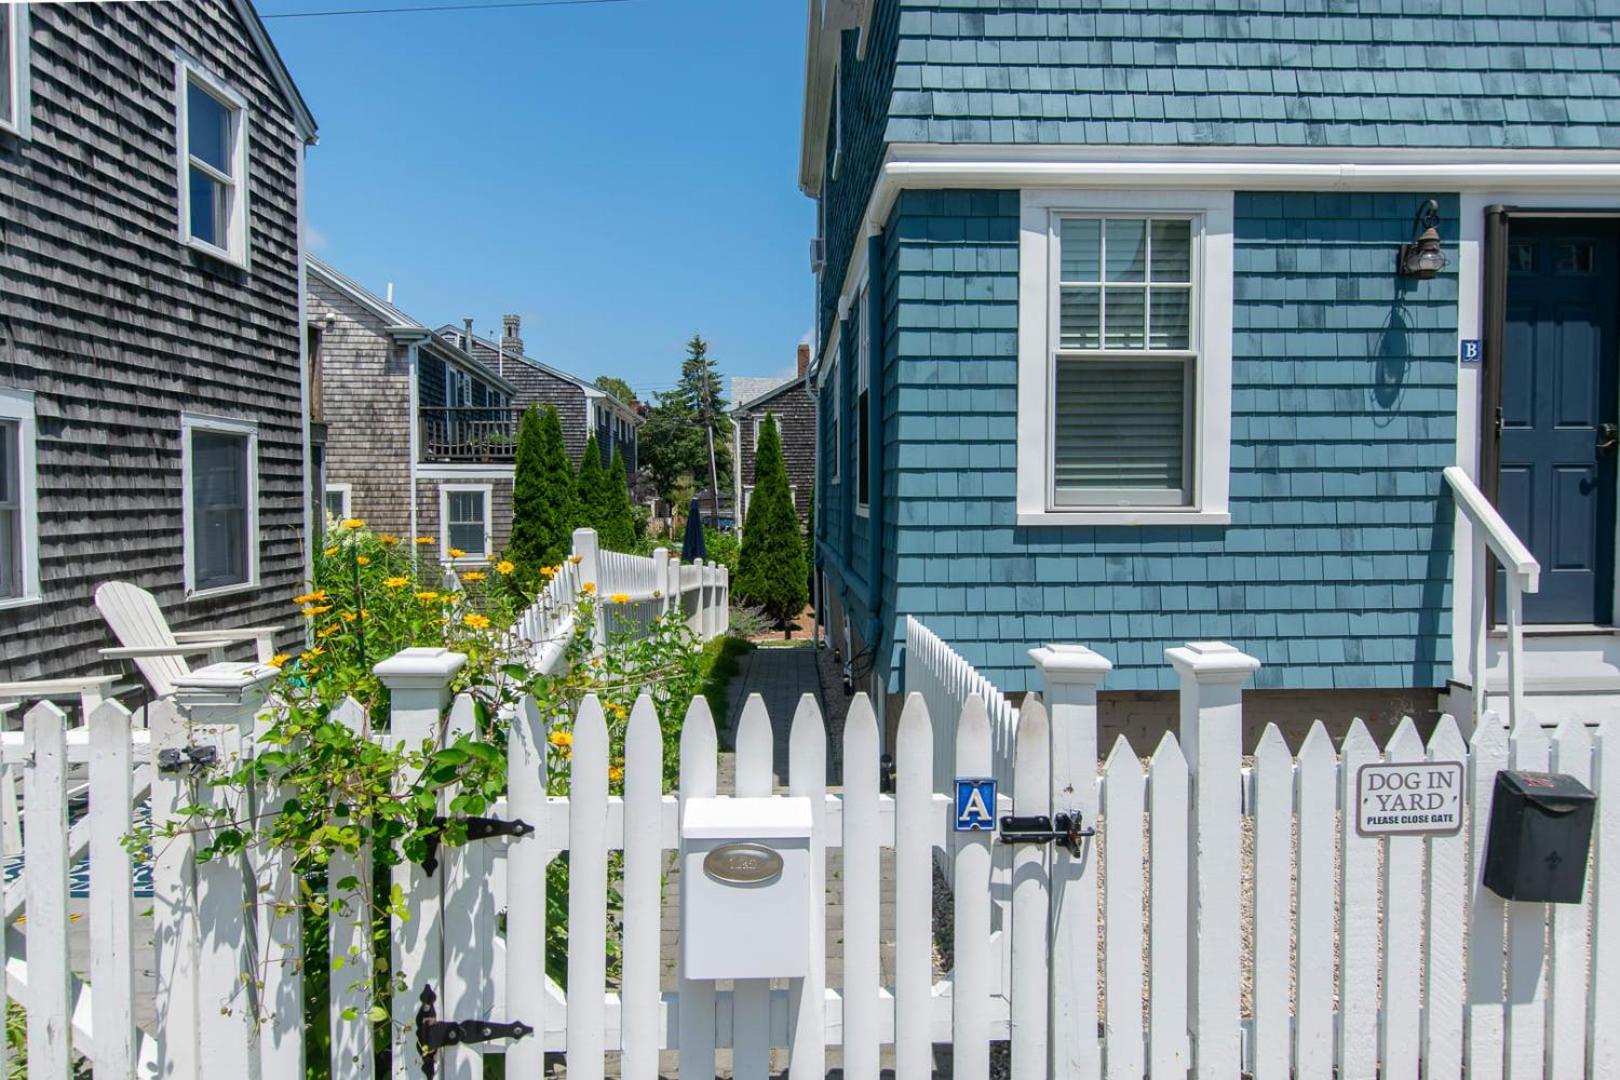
615	773
427	596
387	540
477	622
363	560
311	597
424	539
619	710
331	551
575	558
549	571
620	598
348	616
353	523
561	738
309	656
504	567
396	582
588	588
328	631
474	575
278	660
455	553
313	610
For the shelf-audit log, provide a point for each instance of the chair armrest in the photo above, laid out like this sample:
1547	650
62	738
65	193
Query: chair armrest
48	688
140	651
242	633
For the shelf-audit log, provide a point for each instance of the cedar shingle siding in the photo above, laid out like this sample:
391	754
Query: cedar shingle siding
795	412
118	328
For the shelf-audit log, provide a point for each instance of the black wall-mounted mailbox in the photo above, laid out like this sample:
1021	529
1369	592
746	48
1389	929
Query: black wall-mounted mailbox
1541	828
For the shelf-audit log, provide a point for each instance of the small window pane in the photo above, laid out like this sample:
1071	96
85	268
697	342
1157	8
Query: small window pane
1082	315
219	518
11	541
1126	249
1577	257
1171	319
1172	251
335	507
1081	249
209	128
206	209
1126	316
1120	426
1521	256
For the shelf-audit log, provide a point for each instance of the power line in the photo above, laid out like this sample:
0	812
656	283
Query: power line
437	7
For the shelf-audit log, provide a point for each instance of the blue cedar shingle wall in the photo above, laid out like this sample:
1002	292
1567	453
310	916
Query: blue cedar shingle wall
1335	569
1471	73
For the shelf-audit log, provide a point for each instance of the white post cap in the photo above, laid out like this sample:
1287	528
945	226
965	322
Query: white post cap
1212	662
420	668
225	685
1070	664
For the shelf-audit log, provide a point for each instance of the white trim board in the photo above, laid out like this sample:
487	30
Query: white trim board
20	123
18	406
190	423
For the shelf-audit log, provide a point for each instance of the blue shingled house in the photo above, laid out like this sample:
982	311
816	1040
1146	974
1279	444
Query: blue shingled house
1152	321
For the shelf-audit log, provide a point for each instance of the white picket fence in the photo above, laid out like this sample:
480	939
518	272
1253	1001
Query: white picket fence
1395	962
946	681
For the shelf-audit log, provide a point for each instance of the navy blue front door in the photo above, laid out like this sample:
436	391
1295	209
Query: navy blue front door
1559	409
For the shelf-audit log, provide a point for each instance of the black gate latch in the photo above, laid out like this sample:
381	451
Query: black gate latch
433	1034
478	828
1063	830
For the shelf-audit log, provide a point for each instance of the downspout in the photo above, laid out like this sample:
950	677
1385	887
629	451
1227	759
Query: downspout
1493	324
874	453
415	428
736	475
303	367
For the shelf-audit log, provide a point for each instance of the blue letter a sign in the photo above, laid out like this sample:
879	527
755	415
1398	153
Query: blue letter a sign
975	804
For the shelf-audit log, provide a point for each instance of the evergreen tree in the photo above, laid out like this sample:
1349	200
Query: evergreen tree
590	489
771	570
621	513
675	441
543	495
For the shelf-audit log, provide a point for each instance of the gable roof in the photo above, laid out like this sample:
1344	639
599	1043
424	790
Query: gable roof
481	344
302	117
771	394
745	389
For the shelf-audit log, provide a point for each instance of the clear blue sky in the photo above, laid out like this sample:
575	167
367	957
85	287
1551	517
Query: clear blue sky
619	174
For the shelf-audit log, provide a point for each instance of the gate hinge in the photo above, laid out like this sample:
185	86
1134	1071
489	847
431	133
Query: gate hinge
1063	830
478	828
433	1034
182	758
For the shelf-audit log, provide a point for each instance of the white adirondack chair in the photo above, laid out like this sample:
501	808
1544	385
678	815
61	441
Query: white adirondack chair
158	652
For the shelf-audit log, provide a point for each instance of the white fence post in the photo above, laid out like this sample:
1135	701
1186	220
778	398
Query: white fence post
660	577
219	703
590	570
45	824
1070	675
418	682
1212	677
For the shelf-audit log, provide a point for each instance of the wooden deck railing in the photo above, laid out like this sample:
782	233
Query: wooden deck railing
469	433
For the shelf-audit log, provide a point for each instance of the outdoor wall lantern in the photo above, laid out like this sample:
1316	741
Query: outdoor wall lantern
1421	257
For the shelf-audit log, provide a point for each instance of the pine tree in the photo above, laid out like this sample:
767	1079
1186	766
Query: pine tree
771	570
589	486
543	495
621	513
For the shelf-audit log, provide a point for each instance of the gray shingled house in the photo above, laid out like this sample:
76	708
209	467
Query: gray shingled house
420	436
153	394
794	406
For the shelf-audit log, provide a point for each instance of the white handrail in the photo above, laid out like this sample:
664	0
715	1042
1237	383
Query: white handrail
1523	576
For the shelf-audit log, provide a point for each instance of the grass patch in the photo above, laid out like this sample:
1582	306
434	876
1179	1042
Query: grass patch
722	659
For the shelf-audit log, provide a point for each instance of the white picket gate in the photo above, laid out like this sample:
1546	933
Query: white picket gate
1396	960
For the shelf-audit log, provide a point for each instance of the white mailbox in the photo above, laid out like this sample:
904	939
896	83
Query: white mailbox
745	888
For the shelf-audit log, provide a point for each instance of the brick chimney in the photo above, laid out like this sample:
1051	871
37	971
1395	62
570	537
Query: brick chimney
511	342
804	359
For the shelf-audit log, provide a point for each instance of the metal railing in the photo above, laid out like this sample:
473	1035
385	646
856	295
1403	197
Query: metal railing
1491	533
469	433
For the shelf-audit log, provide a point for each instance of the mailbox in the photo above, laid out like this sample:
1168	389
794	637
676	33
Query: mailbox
1541	827
745	888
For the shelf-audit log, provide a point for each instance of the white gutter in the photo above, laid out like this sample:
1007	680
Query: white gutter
300	215
415	428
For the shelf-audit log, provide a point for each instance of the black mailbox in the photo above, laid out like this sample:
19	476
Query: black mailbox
1541	828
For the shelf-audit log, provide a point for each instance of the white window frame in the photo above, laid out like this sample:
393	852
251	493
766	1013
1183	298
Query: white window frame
235	250
454	376
17	406
1038	324
19	123
863	384
190	423
345	490
837	432
748	497
445	491
838	124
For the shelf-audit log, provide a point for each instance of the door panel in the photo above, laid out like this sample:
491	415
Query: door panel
1559	388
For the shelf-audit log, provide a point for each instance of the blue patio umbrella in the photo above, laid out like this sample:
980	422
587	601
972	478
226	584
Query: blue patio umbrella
692	545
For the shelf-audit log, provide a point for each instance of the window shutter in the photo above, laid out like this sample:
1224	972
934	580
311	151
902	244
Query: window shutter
1120	426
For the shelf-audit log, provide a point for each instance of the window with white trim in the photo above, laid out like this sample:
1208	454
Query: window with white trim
863	387
339	501
19	523
835	448
748	496
213	164
219	475
14	91
464	521
1125	368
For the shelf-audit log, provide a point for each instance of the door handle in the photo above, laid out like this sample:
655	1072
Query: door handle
1608	437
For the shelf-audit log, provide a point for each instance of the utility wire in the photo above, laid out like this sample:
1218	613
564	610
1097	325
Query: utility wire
437	7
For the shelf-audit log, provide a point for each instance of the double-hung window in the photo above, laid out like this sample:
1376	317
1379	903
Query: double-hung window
863	396
14	69
464	516
1124	358
220	478
19	527
213	164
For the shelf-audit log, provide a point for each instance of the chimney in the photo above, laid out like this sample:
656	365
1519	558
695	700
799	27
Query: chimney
804	359
510	340
466	335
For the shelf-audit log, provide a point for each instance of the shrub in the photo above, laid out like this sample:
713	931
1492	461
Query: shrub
771	568
543	495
